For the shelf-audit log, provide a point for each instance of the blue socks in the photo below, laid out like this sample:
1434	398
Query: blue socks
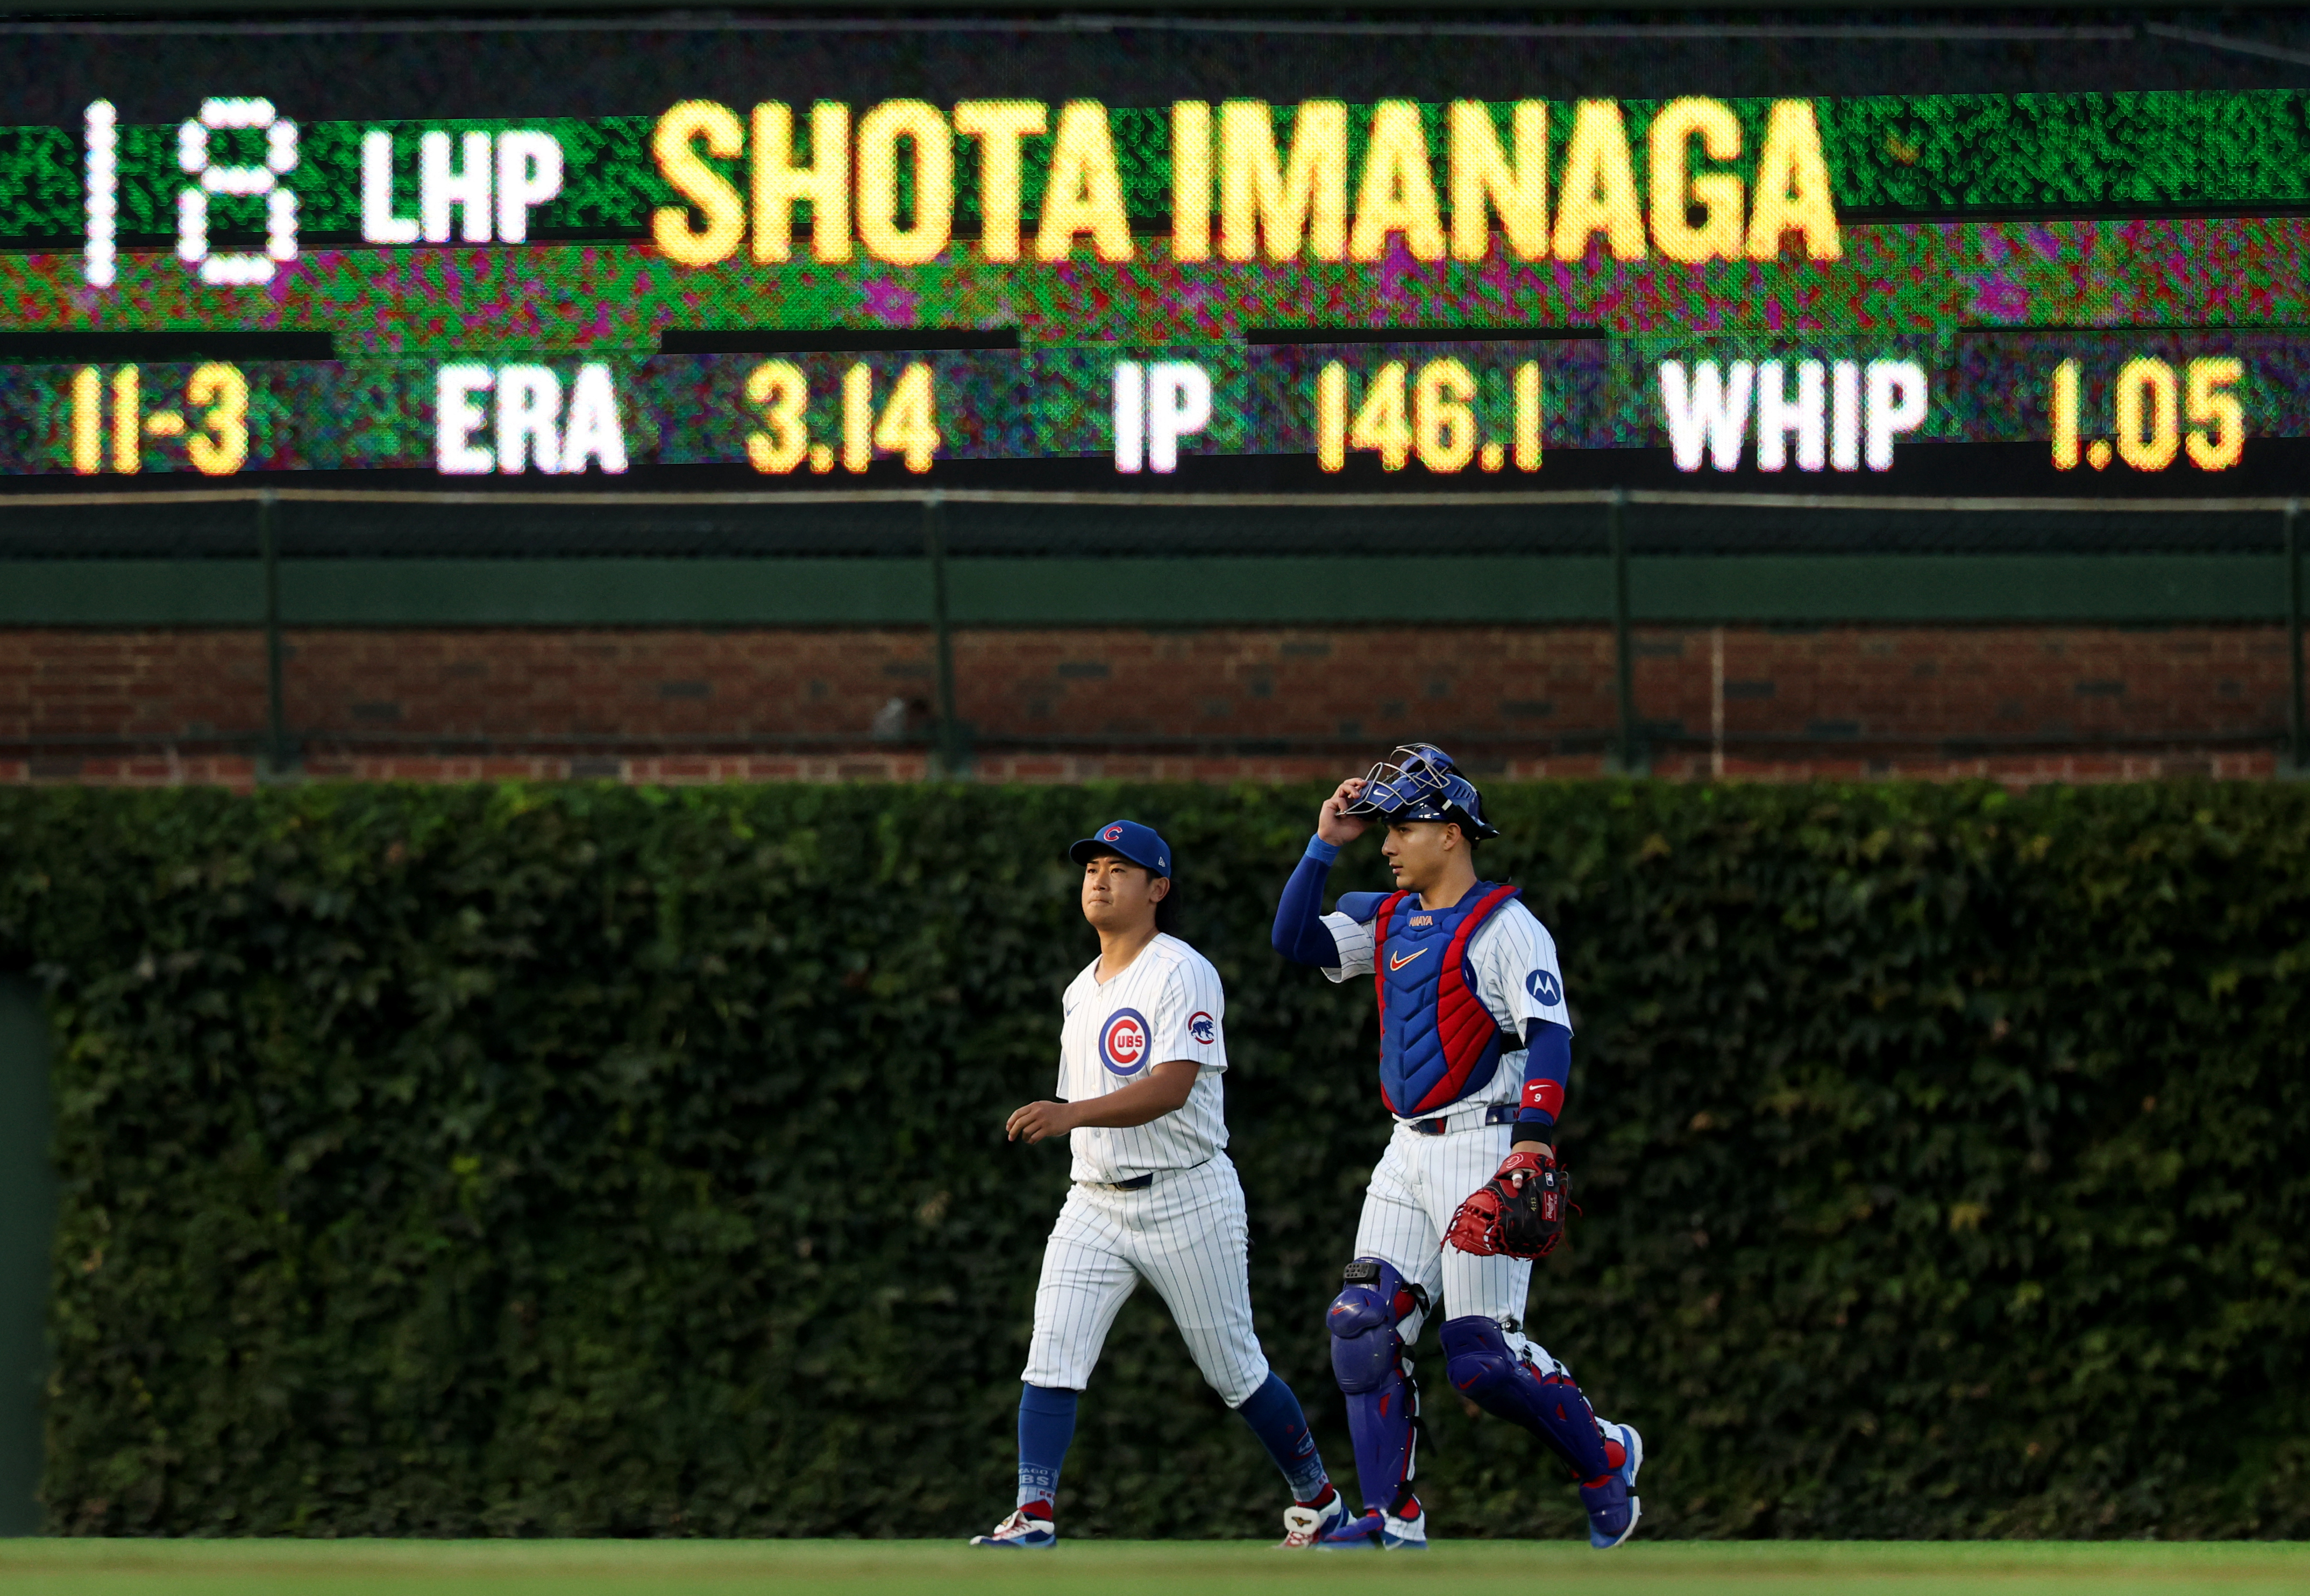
1273	1414
1046	1423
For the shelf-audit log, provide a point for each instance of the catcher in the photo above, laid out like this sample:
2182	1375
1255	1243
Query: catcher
1475	1049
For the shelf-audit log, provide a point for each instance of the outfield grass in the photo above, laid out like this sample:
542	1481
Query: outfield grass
1126	1568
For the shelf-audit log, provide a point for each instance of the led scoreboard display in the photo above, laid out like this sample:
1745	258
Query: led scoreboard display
1377	290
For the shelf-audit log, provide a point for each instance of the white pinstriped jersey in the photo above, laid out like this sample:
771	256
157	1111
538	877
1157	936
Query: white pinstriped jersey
1516	979
1166	1004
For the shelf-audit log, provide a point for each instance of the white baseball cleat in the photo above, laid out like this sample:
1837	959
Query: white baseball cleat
1021	1533
1304	1526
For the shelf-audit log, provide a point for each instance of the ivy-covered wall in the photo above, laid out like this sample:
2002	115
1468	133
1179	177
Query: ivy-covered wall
593	1160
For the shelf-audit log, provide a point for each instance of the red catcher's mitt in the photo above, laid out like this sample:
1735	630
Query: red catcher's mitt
1520	1211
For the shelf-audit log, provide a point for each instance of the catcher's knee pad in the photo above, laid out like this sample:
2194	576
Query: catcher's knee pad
1368	1357
1365	1321
1483	1369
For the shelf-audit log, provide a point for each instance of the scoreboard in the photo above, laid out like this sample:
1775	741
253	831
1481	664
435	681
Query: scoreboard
2099	292
1498	410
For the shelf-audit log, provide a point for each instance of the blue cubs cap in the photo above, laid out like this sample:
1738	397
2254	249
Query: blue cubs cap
1417	782
1127	839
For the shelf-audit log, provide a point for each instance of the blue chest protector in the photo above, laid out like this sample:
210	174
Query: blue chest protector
1438	1042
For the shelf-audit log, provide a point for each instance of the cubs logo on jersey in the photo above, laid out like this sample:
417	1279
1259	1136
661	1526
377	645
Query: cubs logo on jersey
1164	1009
1122	1042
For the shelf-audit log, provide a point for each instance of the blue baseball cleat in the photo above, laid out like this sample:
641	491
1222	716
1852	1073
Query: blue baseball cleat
1397	1531
1611	1500
1021	1532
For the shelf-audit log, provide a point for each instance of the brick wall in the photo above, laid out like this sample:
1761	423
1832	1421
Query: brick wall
2022	704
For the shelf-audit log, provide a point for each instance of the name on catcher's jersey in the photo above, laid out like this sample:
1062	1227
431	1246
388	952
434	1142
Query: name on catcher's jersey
1166	1004
1518	979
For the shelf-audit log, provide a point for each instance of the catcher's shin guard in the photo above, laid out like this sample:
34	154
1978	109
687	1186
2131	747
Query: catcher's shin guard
1482	1368
1368	1357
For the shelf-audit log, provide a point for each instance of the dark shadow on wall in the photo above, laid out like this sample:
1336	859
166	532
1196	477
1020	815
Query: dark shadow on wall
27	1214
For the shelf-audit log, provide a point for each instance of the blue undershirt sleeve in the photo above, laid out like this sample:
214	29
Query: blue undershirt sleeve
1547	1072
1300	935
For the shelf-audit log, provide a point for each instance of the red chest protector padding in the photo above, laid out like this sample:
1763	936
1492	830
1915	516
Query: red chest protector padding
1438	1042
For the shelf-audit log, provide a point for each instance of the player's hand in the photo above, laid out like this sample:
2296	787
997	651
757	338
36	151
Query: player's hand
1038	1120
1333	823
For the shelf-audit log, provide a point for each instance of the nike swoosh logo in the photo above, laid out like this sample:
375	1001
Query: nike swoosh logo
1396	961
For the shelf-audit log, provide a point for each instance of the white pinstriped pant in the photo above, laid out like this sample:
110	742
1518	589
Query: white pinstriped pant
1419	1182
1186	1236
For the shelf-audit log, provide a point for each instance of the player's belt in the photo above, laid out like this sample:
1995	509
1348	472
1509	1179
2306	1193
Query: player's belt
1465	1119
1137	1182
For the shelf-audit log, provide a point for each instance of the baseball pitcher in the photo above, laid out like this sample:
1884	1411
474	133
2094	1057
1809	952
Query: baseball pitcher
1141	1050
1475	1050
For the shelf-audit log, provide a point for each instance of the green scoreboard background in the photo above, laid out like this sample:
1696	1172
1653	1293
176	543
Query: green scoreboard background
1146	256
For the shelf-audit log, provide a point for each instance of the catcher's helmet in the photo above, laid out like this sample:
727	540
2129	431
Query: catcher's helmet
1417	782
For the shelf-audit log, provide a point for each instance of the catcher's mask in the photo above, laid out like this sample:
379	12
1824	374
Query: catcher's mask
1417	782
